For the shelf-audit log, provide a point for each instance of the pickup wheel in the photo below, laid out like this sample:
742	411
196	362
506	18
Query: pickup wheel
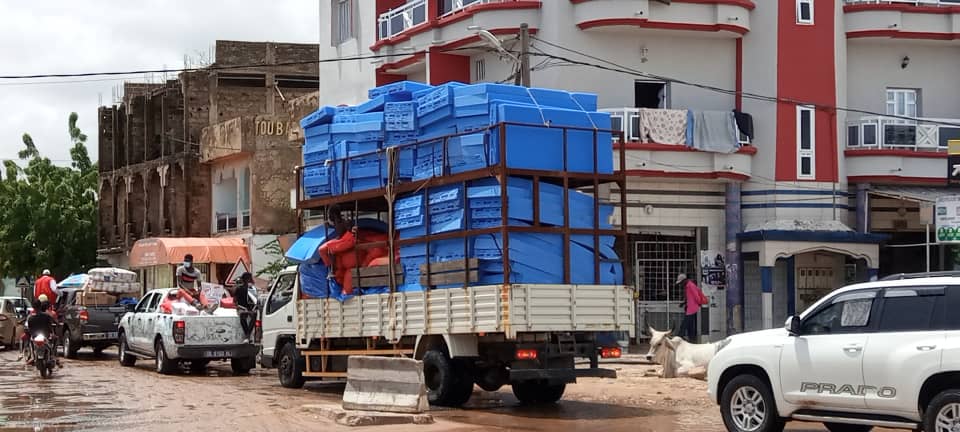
943	412
448	383
242	366
536	392
70	346
290	367
747	405
126	359
840	427
164	365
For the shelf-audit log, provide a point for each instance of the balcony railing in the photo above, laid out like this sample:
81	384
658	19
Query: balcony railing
907	2
627	120
394	21
922	134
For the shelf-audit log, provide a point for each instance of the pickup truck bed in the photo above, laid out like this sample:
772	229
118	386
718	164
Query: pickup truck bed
94	326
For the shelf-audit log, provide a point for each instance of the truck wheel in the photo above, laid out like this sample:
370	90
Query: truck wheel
448	383
290	367
242	366
841	427
126	359
537	392
943	412
747	405
70	346
164	365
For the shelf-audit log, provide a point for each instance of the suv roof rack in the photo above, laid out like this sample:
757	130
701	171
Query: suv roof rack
901	276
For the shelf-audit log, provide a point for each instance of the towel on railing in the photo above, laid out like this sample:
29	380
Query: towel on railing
714	131
663	126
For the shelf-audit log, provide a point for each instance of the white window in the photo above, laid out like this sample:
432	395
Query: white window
342	18
902	102
804	11
806	141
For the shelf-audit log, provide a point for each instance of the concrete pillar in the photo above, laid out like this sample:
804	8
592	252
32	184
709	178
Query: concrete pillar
791	286
766	284
734	281
863	211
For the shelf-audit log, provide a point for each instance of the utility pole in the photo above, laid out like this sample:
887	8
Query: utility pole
524	55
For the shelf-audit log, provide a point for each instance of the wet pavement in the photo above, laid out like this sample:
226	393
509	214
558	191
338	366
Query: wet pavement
96	393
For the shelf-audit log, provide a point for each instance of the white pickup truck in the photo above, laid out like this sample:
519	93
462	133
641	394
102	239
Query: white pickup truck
878	354
174	339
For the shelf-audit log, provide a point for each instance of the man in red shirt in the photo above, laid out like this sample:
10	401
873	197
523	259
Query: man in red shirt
46	285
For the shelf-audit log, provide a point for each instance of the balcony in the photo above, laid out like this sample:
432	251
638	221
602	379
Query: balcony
647	158
903	19
728	18
417	17
887	150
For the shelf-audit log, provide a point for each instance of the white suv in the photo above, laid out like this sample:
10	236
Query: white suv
883	354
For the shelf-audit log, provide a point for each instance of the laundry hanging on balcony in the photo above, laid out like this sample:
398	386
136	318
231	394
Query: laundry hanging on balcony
663	126
713	131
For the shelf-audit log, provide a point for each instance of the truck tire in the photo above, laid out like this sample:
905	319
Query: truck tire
942	409
70	346
841	427
747	405
164	365
123	351
290	367
538	392
242	366
448	383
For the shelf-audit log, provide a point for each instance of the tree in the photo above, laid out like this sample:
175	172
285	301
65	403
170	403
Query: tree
272	269
49	212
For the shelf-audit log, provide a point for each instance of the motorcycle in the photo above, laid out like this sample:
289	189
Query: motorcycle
44	355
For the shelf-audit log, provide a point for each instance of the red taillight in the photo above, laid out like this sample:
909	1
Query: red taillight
610	352
257	331
179	331
526	354
39	342
257	324
84	315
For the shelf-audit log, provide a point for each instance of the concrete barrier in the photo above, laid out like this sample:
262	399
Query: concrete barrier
385	384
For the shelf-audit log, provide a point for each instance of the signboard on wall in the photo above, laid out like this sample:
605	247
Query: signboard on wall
947	219
953	162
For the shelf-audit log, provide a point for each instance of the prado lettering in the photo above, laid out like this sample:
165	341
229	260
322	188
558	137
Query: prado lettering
883	392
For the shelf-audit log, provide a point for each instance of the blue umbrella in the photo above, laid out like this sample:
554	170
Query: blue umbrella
74	281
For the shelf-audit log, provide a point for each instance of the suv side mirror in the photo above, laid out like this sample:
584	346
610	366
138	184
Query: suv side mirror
793	325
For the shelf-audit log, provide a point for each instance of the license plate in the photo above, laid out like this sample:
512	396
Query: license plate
100	336
216	354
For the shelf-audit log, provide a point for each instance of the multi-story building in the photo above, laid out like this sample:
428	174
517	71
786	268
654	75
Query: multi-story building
206	154
851	104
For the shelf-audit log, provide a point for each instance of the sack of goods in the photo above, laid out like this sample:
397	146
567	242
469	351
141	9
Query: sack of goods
112	274
112	280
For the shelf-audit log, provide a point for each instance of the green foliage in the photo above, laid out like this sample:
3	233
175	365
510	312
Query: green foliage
279	263
49	213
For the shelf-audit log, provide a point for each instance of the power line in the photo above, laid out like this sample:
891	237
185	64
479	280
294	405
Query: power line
776	99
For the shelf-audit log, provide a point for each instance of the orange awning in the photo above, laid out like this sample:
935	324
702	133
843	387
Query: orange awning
171	250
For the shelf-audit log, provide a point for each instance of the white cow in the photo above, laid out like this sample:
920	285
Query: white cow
689	358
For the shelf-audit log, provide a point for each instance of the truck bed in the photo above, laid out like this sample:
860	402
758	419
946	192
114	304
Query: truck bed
481	309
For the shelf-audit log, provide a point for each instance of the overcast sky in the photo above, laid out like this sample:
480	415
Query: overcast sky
61	36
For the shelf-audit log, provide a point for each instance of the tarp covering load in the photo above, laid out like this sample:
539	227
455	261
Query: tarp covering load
385	384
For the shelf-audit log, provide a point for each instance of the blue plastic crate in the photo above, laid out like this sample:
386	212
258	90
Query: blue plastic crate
553	98
414	201
408	222
440	114
316	156
340	110
317	191
403	107
394	138
400	116
316	176
437	98
359	118
446	221
321	116
586	101
408	86
319	130
377	103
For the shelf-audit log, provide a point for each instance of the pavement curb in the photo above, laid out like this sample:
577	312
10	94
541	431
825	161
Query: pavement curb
366	418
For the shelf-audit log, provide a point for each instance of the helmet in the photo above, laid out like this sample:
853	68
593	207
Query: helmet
46	272
43	298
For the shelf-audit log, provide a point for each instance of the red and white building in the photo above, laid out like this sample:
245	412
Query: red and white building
852	103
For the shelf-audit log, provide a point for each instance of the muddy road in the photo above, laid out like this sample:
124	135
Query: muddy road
96	393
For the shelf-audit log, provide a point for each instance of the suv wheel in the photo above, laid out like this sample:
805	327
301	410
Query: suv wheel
165	366
290	367
840	427
943	413
747	405
126	359
70	346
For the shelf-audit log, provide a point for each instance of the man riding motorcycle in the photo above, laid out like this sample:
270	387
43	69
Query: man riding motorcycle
41	321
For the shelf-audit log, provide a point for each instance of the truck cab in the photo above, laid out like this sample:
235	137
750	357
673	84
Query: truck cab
278	315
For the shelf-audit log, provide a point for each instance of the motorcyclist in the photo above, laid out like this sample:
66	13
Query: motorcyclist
41	323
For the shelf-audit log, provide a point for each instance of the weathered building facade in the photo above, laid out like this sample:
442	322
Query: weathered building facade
193	156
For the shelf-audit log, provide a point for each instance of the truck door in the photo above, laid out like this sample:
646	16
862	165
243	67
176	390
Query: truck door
823	365
138	323
279	312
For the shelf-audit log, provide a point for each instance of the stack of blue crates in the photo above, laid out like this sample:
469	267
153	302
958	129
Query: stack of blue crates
455	128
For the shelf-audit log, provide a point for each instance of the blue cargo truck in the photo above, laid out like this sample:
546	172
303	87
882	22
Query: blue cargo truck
482	246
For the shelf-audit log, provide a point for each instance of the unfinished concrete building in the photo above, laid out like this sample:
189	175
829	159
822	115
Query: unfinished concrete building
187	158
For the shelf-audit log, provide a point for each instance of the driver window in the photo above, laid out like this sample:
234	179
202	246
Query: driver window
848	313
154	302
144	303
282	293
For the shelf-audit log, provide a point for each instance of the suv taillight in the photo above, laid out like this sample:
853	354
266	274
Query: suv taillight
84	315
257	331
179	331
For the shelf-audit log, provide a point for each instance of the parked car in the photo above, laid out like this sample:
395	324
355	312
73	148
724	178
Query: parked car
878	354
80	326
13	310
172	340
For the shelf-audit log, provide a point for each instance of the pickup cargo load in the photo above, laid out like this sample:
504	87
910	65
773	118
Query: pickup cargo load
464	226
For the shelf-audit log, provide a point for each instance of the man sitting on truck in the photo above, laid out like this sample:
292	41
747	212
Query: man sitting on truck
339	254
188	277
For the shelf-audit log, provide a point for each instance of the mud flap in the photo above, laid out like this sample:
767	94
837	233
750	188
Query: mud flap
385	384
